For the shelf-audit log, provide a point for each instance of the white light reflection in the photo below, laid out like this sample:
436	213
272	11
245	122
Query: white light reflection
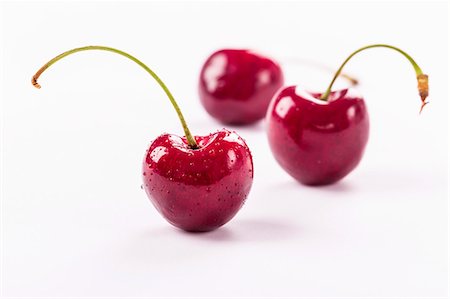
231	158
307	96
283	106
214	70
157	153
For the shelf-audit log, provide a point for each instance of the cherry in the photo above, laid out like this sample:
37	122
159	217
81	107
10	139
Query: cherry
319	138
236	86
198	190
197	183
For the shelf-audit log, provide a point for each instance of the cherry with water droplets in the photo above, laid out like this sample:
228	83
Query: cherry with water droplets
184	176
201	183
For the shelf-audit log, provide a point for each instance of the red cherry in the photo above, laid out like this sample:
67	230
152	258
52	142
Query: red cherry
196	183
202	189
236	86
320	138
317	142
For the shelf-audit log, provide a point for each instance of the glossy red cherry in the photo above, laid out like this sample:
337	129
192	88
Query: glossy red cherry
196	183
201	189
319	138
317	142
236	86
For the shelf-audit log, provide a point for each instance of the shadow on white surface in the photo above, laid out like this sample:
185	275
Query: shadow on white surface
342	186
255	231
169	246
371	181
239	231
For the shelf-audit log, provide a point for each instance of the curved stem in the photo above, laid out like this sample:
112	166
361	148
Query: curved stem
191	141
421	77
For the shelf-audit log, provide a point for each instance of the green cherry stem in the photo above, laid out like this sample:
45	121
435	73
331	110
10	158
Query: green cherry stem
191	141
422	79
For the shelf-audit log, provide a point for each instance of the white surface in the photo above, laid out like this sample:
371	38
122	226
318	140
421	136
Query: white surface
76	223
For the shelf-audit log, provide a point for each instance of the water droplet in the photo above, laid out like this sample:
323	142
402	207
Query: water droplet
191	163
198	174
144	173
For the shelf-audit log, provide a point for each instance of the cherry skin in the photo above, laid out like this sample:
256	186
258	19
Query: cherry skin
317	142
236	86
198	189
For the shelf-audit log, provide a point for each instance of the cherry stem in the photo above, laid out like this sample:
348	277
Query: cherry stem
422	79
191	141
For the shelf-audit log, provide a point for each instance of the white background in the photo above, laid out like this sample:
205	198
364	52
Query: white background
76	223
